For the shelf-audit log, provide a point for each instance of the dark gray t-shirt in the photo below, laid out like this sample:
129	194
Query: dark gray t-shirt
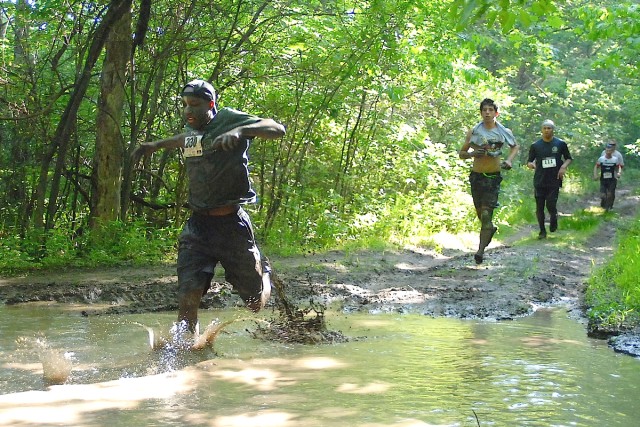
218	178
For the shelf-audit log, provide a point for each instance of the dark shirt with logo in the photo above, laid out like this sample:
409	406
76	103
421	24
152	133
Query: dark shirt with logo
548	157
218	178
608	167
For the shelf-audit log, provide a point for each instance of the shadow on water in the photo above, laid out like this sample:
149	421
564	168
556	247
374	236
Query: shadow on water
407	370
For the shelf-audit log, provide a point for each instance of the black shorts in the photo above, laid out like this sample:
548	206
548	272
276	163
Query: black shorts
485	188
229	240
607	185
550	194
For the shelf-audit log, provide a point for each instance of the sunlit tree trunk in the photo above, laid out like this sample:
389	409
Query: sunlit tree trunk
117	9
108	159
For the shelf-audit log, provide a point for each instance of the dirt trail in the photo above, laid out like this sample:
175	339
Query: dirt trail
518	275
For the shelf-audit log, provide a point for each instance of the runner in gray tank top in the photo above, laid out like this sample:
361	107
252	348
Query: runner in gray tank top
483	144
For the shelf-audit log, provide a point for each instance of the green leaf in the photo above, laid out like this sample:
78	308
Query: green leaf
466	13
525	18
555	21
507	21
491	18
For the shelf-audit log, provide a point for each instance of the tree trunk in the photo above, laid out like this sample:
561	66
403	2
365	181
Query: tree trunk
117	8
108	159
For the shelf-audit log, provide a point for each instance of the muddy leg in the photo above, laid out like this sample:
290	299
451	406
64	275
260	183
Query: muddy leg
256	304
607	202
486	234
611	194
188	305
612	198
552	203
540	216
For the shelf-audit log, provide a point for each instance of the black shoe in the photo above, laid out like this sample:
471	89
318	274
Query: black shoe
553	224
542	235
479	258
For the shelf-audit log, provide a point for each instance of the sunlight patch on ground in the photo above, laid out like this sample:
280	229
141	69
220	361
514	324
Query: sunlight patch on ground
333	413
371	388
68	404
409	423
259	379
27	367
263	419
74	404
318	363
266	378
461	242
594	209
405	266
302	363
406	296
271	418
38	368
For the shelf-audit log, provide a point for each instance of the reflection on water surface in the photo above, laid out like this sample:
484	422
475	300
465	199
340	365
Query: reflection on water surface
406	370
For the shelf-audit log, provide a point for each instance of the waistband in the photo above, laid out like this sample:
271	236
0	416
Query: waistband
486	174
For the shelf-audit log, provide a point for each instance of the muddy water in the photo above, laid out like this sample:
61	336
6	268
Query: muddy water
406	370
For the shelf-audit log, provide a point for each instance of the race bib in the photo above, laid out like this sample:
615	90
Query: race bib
495	149
192	146
607	175
549	162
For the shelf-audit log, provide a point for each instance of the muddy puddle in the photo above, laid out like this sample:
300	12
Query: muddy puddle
400	370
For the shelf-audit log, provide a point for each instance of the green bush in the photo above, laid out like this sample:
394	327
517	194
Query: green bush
13	257
613	291
115	243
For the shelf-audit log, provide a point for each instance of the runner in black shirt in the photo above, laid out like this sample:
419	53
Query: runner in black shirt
549	157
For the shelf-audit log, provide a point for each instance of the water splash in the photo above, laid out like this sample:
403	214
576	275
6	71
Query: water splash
179	337
56	364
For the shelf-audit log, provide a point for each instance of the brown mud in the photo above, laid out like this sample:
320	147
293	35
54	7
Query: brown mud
519	274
